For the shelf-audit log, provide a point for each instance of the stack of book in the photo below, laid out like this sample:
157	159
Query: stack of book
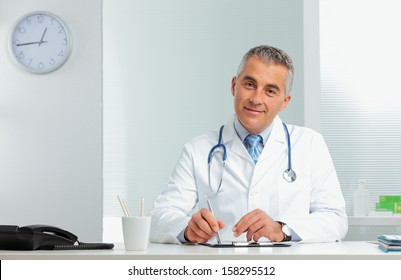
389	243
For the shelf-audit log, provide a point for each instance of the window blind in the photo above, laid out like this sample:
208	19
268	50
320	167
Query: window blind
360	98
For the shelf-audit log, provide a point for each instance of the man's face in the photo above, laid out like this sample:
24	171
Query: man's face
259	94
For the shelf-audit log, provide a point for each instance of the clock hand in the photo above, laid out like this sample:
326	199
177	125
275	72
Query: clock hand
30	43
33	43
43	35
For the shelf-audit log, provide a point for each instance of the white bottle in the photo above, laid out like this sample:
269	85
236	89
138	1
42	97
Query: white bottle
361	200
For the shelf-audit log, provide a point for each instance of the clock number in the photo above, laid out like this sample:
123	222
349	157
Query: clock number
60	29
30	61
61	53
65	42
29	21
41	18
52	61
21	30
41	66
21	55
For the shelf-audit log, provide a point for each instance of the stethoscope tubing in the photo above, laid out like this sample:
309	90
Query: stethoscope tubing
218	145
288	147
289	175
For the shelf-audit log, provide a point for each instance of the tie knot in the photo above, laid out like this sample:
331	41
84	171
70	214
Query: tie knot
253	140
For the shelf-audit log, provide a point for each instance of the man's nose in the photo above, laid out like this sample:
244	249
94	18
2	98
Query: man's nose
256	96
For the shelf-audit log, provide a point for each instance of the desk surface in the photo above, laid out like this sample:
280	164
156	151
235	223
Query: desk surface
346	250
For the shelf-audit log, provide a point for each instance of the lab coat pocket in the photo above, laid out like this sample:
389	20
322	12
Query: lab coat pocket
294	197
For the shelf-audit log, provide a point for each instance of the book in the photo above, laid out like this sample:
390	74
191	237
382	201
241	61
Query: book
389	248
389	243
389	239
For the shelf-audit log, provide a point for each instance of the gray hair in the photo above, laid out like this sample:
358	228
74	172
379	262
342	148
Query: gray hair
270	54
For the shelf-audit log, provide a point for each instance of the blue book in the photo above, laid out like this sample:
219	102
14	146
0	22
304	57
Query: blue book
390	239
389	248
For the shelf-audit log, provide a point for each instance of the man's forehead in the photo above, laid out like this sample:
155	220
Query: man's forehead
260	69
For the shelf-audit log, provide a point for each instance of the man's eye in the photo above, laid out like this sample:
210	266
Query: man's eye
271	92
249	85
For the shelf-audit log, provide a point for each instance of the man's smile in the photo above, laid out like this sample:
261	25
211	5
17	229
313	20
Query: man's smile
253	110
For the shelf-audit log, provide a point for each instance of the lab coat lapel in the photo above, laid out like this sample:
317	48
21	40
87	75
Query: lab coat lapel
271	157
276	139
233	142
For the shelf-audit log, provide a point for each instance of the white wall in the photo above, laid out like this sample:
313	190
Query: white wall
311	64
51	126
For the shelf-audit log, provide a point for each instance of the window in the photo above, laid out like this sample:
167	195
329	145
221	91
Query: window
360	98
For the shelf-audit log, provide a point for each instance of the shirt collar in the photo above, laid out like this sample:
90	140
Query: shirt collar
242	132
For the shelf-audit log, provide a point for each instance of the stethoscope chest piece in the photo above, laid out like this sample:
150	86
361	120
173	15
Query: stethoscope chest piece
289	175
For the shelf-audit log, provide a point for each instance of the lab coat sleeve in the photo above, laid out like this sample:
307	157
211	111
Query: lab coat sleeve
327	218
174	206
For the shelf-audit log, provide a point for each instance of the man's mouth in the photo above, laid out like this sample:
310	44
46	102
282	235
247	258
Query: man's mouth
252	110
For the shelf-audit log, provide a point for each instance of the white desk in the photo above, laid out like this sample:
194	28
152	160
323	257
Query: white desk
347	250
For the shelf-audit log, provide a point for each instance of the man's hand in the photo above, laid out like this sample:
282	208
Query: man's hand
258	224
202	226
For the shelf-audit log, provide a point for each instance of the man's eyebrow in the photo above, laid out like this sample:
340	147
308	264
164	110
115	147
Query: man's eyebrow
274	86
249	78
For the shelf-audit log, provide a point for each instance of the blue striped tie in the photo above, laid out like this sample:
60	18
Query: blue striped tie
252	144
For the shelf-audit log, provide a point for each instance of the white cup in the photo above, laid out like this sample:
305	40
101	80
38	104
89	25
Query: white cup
136	232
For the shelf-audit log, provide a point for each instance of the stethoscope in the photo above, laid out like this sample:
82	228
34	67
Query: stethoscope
289	174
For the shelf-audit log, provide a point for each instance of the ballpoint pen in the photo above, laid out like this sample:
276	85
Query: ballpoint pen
211	210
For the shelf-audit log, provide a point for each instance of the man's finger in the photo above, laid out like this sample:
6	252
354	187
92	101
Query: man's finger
210	219
254	229
245	222
202	226
194	237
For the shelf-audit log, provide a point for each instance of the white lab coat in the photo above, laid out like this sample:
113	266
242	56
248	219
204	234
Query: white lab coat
312	206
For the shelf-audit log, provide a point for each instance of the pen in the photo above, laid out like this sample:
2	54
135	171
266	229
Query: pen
211	210
142	206
124	206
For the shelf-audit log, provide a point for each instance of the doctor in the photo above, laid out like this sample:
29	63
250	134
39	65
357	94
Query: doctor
251	195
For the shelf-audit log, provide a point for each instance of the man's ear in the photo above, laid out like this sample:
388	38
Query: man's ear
233	83
286	101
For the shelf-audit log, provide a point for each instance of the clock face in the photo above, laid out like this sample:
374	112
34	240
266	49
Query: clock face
40	42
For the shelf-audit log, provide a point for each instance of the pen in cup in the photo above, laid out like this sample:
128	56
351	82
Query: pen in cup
124	206
126	210
211	210
142	206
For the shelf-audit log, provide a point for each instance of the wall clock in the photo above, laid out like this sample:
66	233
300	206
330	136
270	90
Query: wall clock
40	42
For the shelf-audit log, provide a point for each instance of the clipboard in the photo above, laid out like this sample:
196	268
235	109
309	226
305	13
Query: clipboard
235	244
